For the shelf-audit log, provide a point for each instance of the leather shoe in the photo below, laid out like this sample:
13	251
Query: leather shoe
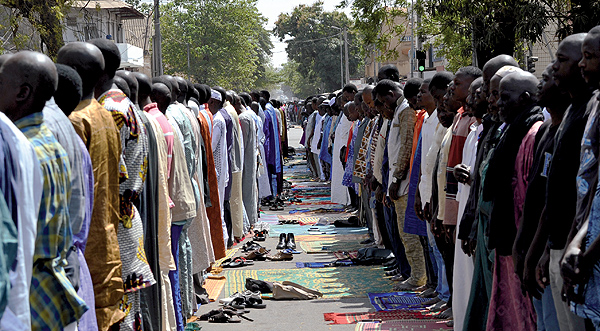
431	302
290	243
392	272
428	293
282	241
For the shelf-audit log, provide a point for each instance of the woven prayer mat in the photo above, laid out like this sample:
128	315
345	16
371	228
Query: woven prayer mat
214	285
336	282
352	318
228	254
404	325
311	220
299	230
323	264
397	300
342	255
341	237
328	246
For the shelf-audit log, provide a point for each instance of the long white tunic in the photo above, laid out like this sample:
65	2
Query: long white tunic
339	192
219	147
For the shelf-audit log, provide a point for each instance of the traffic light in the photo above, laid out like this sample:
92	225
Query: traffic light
531	63
421	56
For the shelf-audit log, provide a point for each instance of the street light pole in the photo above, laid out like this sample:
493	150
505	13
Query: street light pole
346	51
341	63
157	69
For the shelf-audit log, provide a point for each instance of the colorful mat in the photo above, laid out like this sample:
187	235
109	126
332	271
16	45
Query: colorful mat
397	300
298	230
342	255
341	237
328	246
404	325
332	282
352	318
214	285
323	264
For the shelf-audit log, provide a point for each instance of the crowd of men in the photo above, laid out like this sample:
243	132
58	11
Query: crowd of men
483	183
119	191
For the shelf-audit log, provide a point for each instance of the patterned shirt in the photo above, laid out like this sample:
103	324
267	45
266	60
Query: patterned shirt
54	301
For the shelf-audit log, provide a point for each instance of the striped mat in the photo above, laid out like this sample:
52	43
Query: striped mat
404	325
397	300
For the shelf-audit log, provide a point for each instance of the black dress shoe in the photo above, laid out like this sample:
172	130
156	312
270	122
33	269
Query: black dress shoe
282	241
291	241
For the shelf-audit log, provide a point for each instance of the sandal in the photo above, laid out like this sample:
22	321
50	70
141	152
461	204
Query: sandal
253	300
239	262
257	254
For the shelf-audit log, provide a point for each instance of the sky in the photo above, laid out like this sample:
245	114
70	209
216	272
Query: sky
271	10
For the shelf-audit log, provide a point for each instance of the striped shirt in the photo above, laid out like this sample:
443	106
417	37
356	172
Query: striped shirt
54	301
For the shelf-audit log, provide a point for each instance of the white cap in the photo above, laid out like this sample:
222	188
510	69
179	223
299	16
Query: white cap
214	94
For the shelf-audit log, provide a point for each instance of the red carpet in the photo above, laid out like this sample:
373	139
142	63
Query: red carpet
352	318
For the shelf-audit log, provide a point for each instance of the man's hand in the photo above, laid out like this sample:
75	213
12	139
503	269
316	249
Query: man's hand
449	232
542	270
436	227
462	173
427	212
419	207
393	190
379	193
468	246
573	266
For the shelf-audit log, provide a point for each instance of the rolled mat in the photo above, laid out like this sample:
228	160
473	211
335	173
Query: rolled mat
352	318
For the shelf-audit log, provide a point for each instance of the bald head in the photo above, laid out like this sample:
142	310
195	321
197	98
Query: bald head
174	87
27	80
132	83
122	85
161	95
87	60
518	91
493	65
183	88
566	66
144	88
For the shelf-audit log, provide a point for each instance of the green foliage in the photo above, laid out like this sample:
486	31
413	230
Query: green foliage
228	43
370	16
294	82
313	46
44	16
457	28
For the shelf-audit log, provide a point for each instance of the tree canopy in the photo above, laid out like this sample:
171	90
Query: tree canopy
489	27
313	47
228	44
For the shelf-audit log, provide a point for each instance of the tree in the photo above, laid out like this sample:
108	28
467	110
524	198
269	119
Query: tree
44	17
313	44
228	44
487	27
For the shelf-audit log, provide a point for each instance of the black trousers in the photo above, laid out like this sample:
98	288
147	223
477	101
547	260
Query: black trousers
228	224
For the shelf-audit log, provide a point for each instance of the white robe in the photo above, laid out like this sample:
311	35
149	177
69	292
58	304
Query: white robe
219	147
463	264
339	192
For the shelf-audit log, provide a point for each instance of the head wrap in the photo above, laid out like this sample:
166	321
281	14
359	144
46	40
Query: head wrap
214	94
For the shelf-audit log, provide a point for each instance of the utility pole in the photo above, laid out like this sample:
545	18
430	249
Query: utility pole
188	60
346	51
412	38
157	67
419	42
341	62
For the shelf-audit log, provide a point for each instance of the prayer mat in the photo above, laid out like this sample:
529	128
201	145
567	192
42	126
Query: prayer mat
397	300
298	230
323	264
352	318
404	325
213	286
328	246
341	255
341	237
337	282
228	254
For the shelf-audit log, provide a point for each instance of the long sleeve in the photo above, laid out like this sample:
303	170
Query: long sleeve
406	132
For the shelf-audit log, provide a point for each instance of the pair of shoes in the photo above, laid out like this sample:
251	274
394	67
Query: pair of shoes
250	246
367	241
286	241
428	293
236	262
256	285
261	235
259	254
281	256
392	272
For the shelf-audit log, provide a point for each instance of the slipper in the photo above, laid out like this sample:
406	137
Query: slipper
253	300
239	262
